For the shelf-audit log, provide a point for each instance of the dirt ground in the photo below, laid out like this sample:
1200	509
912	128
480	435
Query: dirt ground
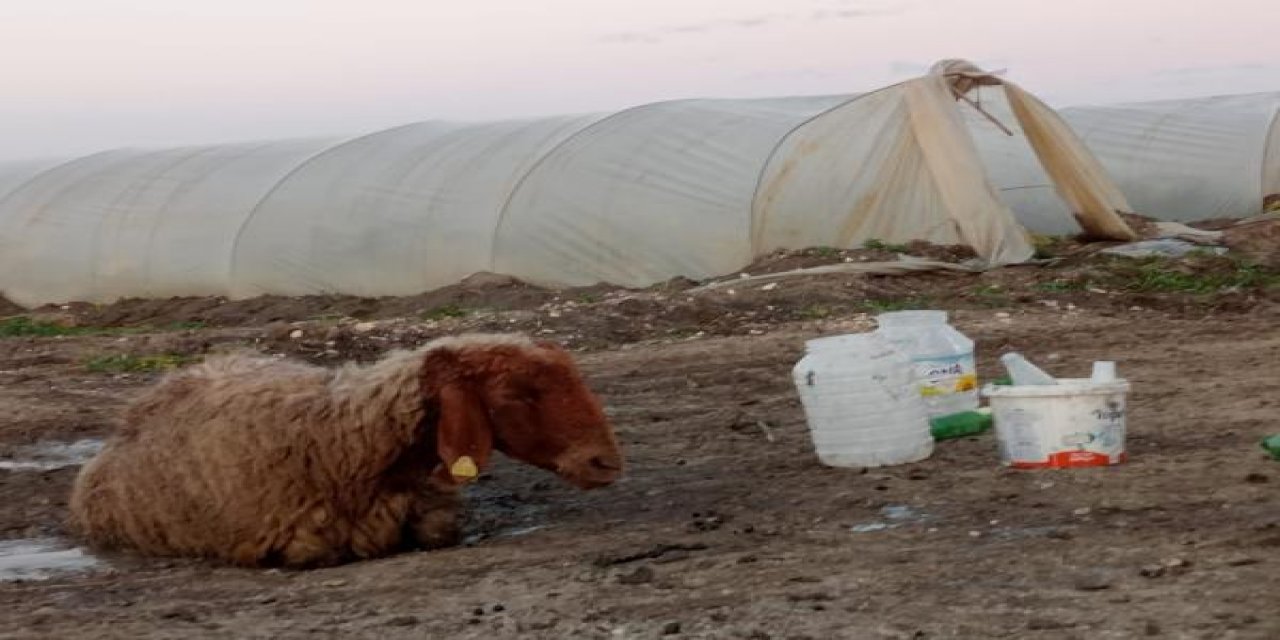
726	526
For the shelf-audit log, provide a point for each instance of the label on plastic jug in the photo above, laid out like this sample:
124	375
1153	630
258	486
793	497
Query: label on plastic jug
940	376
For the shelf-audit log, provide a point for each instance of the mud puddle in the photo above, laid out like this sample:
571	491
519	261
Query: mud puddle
47	456
41	559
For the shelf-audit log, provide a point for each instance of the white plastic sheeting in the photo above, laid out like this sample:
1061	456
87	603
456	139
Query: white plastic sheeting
1179	160
692	188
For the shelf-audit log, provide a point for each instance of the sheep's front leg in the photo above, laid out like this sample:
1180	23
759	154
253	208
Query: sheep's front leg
435	516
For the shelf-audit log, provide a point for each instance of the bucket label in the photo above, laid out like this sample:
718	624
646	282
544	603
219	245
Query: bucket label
939	376
1082	431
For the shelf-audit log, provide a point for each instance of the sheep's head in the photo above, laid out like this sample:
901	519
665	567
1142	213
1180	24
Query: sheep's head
525	399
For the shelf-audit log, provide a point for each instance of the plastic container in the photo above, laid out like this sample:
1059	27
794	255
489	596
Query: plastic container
960	425
1103	371
943	357
1272	445
1074	423
1022	372
860	401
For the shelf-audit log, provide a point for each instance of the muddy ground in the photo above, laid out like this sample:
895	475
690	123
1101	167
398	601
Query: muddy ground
726	527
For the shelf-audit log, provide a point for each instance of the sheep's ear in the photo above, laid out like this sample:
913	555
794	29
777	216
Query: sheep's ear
464	436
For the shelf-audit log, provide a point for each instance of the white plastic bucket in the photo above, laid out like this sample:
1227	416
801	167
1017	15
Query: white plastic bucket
1075	423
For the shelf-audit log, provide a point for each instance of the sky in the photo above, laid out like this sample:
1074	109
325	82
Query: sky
79	76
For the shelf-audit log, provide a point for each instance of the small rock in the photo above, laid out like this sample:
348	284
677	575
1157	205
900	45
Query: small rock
333	583
1048	624
641	575
1240	561
811	596
1152	571
296	334
265	598
671	628
1176	563
43	613
277	330
364	327
1093	581
402	621
769	287
1151	628
1082	511
1059	534
1257	478
499	608
181	613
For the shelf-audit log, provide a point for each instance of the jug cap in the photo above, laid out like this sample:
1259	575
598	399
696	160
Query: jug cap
900	318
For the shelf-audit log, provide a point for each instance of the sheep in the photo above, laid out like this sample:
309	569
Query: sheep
259	461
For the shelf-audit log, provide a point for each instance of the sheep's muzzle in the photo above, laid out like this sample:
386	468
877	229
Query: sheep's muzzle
591	470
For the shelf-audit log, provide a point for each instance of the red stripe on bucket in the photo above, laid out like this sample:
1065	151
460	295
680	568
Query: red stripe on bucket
1072	459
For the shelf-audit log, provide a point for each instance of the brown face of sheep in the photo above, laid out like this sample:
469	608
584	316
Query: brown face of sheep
544	414
529	403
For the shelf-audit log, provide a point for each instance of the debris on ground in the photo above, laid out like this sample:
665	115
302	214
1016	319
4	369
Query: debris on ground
1272	445
1167	247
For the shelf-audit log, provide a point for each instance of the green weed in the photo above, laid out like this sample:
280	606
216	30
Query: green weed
19	326
815	312
445	311
1162	275
991	295
122	363
875	243
23	326
1058	286
885	305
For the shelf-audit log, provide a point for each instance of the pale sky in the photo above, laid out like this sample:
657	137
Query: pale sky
80	76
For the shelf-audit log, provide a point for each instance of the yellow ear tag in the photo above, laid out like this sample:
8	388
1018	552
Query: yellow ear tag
464	468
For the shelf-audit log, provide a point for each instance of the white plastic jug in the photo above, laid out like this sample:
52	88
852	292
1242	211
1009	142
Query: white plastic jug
860	399
943	358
